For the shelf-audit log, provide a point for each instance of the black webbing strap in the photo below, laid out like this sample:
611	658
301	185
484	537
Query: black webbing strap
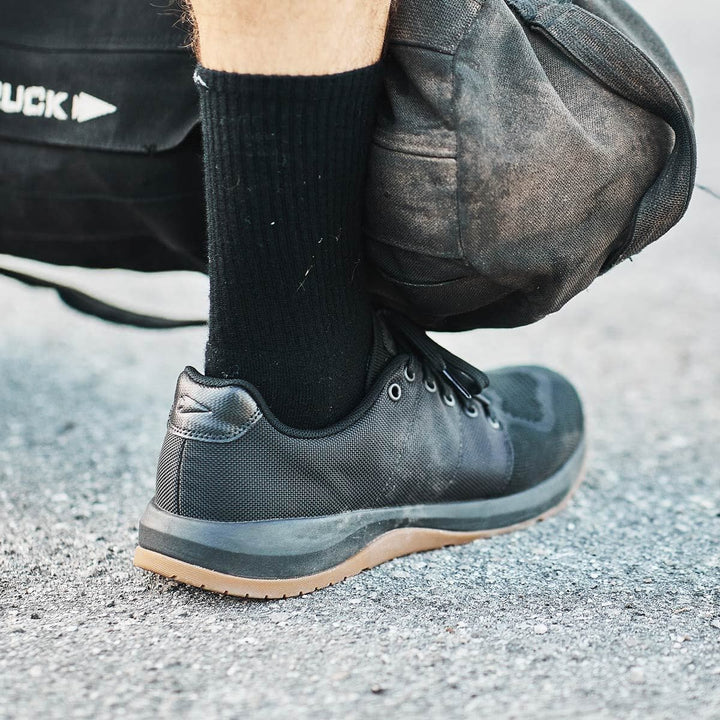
89	305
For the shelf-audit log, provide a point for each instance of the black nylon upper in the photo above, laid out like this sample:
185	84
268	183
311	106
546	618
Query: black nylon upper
226	458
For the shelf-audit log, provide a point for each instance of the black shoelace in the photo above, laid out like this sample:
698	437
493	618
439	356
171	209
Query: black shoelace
453	374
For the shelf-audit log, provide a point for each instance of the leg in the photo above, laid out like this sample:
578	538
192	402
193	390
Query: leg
286	136
289	37
422	453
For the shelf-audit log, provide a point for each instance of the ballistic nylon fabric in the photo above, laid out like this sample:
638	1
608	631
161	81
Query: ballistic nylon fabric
395	453
168	473
416	449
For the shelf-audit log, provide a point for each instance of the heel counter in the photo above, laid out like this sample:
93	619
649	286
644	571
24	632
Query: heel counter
167	483
206	414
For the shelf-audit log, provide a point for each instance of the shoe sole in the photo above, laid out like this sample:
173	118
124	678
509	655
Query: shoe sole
274	559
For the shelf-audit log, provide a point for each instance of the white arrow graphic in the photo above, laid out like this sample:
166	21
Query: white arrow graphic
87	107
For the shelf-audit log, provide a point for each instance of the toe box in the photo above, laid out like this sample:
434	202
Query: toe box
543	417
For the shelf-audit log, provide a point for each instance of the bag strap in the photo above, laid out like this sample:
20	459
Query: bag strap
89	305
614	60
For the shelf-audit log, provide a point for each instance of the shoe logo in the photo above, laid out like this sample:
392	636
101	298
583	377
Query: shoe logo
186	404
37	101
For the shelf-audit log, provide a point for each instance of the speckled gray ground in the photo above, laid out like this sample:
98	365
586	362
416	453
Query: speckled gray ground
611	610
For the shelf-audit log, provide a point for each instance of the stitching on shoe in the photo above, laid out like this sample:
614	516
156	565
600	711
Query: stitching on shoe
406	440
219	436
178	477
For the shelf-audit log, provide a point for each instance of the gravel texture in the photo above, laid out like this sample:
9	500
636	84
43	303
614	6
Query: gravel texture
610	610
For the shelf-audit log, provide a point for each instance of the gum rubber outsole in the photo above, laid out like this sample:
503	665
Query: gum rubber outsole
388	546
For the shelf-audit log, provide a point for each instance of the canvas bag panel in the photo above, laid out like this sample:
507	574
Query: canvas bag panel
510	167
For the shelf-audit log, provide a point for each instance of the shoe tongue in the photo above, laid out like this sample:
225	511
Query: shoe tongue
383	350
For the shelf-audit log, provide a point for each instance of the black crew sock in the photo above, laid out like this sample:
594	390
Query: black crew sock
285	162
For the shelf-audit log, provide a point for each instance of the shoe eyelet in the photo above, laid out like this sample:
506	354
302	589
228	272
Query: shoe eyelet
472	411
494	423
449	400
409	374
430	386
394	392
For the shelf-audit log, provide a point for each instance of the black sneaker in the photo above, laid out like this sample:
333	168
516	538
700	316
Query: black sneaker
437	454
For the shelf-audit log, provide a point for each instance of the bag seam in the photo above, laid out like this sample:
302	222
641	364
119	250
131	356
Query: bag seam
463	37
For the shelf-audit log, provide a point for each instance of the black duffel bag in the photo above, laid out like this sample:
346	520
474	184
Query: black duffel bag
523	147
100	151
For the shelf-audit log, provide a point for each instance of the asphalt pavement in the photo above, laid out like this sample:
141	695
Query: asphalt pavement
609	610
